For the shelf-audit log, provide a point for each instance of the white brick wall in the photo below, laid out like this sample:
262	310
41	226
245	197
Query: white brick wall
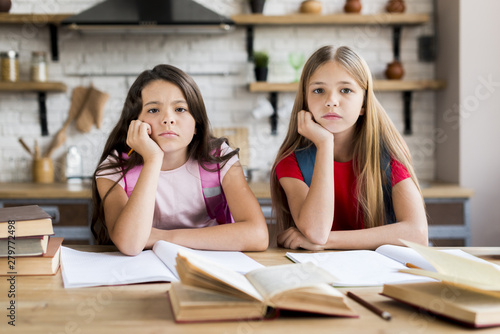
109	57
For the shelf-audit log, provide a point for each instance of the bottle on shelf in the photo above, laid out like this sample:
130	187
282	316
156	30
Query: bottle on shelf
73	168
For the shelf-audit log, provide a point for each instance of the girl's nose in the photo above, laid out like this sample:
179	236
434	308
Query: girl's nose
332	102
169	119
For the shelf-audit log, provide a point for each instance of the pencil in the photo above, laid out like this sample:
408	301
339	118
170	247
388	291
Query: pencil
383	314
410	265
130	152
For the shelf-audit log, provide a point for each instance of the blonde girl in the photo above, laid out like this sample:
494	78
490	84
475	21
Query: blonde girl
337	115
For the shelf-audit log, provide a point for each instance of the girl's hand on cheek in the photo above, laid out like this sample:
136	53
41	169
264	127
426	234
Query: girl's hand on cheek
138	138
313	131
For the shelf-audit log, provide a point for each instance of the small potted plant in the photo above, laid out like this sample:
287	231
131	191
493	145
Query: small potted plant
261	63
257	6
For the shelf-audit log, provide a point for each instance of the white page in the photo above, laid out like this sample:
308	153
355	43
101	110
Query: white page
406	255
358	267
236	261
231	277
85	269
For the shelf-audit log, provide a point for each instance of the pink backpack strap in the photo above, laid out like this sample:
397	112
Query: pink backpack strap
211	186
130	178
213	194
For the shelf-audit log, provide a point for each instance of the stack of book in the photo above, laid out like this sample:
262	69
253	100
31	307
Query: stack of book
26	243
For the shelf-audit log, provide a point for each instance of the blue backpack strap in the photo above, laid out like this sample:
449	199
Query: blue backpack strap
385	165
306	158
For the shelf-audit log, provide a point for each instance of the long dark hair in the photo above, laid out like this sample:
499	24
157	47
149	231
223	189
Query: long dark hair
202	148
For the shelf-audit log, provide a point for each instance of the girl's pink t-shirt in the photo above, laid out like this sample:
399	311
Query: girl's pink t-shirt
179	198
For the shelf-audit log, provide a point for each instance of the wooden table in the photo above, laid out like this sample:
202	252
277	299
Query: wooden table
44	306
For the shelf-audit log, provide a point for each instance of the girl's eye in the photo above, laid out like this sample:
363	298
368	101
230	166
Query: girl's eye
318	90
181	109
153	111
346	90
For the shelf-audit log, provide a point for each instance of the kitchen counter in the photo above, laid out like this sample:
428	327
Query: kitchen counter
260	189
447	208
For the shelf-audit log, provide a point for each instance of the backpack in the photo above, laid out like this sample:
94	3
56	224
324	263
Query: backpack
213	194
307	156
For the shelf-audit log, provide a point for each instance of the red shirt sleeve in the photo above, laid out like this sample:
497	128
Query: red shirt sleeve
398	172
289	167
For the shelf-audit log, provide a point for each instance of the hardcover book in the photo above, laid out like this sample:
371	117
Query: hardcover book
29	220
24	246
210	292
47	264
462	305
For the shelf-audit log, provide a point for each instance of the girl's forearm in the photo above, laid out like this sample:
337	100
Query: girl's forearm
239	236
316	215
131	230
372	238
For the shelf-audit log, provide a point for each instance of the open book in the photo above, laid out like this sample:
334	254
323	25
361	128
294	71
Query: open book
471	273
211	292
469	291
373	268
85	269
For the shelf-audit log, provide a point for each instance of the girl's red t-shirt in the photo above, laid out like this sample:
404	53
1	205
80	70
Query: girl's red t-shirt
347	214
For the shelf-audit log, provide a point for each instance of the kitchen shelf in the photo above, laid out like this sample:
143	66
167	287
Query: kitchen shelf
30	86
32	18
39	87
38	20
378	86
407	87
396	21
331	19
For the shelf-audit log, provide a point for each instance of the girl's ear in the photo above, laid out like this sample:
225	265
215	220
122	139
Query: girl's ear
362	112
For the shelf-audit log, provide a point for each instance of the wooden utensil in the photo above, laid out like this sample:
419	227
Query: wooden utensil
26	147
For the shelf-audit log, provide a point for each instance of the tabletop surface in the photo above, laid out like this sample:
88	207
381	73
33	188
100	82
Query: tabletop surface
44	306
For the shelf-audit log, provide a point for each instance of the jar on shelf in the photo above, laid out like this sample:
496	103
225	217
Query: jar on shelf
39	69
10	66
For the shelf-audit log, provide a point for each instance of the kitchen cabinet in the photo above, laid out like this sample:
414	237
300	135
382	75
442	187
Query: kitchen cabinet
70	206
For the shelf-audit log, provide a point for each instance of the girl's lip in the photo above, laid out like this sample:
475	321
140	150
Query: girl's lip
331	115
168	133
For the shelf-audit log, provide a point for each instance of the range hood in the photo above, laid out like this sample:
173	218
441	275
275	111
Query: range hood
149	16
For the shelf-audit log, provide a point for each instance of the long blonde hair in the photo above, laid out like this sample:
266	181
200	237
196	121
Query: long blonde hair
374	132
